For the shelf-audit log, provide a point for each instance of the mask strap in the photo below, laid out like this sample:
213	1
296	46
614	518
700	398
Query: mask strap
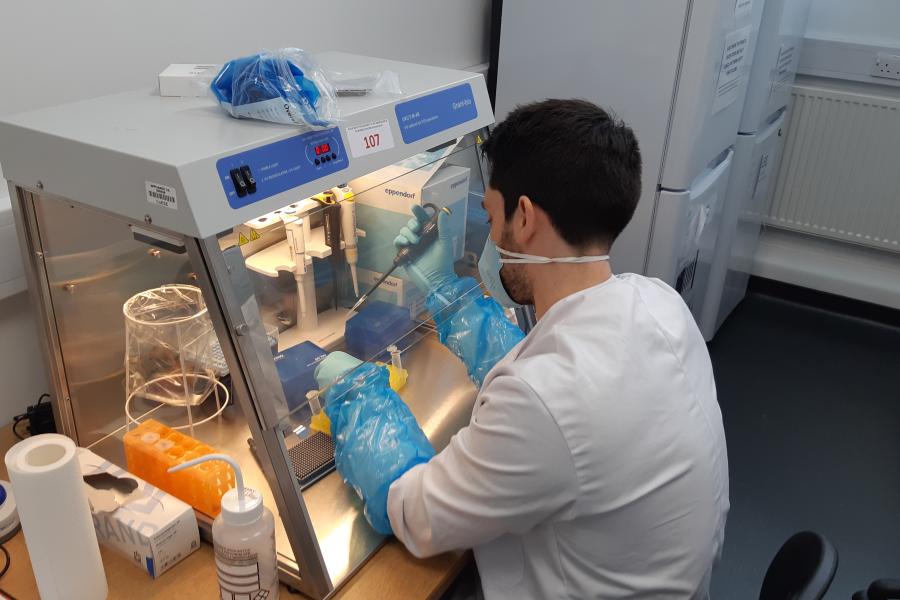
519	258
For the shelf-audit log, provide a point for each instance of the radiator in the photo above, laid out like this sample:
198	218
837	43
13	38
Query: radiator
840	170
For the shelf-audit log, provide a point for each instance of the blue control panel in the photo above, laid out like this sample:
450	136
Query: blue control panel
431	114
263	172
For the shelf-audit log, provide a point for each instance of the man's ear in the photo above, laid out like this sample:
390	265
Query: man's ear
524	221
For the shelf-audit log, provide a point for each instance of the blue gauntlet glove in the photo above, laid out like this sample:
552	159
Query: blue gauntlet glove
376	437
471	326
434	268
474	328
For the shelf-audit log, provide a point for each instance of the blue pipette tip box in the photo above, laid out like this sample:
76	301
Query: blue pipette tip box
376	326
296	369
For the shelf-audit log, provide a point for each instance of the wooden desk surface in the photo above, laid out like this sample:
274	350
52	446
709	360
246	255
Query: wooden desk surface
392	573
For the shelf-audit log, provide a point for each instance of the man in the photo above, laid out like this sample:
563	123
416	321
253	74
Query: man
594	465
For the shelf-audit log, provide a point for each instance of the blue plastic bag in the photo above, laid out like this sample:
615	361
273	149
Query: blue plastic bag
285	86
376	437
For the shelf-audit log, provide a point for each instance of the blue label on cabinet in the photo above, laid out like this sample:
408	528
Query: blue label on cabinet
281	166
436	112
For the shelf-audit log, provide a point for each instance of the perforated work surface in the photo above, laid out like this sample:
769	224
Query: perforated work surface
312	457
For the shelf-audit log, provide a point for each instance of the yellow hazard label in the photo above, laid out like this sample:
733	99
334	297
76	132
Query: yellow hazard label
254	235
242	239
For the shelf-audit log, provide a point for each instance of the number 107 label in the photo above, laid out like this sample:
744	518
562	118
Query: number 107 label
370	138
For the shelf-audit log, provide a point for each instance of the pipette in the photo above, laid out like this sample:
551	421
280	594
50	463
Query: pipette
348	227
407	254
331	221
293	228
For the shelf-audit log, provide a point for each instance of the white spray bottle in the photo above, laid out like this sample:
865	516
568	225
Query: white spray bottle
243	538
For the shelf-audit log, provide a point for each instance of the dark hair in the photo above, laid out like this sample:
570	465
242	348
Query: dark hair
571	158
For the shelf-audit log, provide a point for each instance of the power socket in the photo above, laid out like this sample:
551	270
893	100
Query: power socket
886	65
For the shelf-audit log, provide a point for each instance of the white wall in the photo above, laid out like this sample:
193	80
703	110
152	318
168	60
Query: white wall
873	22
53	51
56	51
21	369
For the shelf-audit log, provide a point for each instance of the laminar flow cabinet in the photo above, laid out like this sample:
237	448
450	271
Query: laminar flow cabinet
192	268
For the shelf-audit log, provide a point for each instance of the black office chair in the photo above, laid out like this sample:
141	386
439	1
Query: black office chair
881	589
802	570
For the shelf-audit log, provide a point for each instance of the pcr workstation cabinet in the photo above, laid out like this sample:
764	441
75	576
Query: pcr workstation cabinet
189	270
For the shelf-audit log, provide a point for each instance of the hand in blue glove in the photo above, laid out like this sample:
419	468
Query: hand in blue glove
434	268
334	366
376	437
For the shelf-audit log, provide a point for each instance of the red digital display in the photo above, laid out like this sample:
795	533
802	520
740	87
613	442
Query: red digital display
323	149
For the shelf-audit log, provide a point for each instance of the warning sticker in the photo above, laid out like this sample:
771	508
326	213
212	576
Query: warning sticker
161	195
243	239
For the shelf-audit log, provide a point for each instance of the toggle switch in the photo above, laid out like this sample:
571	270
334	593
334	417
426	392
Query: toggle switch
240	186
248	179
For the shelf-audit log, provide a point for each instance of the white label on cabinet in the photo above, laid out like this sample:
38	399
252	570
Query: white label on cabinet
785	69
734	57
161	195
742	8
784	74
762	174
370	138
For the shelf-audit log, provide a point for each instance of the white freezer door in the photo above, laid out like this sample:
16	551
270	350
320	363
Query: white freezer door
685	231
712	86
620	54
775	61
749	193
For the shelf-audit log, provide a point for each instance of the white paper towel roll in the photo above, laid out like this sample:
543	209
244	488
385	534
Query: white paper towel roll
56	518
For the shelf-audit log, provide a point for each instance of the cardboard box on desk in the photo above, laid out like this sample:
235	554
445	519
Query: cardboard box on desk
150	527
187	80
384	206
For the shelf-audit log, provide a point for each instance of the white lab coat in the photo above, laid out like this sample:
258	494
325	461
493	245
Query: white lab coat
594	465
